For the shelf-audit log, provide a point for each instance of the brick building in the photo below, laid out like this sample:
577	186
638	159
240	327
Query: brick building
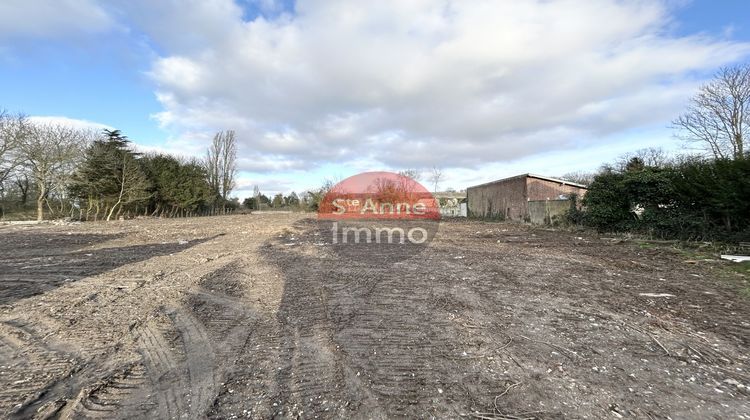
527	197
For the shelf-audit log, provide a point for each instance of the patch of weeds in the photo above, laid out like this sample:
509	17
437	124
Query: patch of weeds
741	268
736	273
489	219
696	253
740	273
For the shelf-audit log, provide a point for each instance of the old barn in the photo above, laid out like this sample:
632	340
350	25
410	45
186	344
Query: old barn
528	197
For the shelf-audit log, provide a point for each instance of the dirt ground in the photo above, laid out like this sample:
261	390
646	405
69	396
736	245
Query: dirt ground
255	316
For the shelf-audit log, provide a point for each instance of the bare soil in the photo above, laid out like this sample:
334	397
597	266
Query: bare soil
255	316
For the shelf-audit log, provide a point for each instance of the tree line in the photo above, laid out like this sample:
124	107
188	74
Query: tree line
59	171
687	197
260	201
692	197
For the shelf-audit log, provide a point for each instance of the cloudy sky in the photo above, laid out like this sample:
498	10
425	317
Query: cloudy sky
322	89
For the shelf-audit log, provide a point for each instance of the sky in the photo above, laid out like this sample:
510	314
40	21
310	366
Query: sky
325	89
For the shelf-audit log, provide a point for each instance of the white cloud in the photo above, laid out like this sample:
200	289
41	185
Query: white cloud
400	83
181	25
52	18
69	122
423	82
269	186
187	145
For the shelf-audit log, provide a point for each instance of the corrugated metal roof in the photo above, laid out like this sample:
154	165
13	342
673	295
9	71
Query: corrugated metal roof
559	181
545	178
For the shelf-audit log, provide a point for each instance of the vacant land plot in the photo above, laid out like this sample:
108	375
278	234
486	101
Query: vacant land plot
255	316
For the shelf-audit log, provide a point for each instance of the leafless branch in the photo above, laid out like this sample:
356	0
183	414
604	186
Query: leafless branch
718	116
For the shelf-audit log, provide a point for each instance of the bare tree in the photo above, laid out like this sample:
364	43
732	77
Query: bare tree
45	150
12	130
213	173
718	117
411	173
436	175
221	164
228	164
579	177
133	183
256	196
22	183
654	157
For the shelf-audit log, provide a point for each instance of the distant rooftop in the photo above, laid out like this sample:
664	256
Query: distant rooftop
449	194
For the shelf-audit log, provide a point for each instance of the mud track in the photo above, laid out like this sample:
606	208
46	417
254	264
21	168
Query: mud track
255	316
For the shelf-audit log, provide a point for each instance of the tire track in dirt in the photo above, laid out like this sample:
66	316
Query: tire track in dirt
311	370
200	361
180	365
62	396
390	342
162	370
212	328
252	353
313	377
354	337
23	352
182	381
400	339
285	330
110	398
109	349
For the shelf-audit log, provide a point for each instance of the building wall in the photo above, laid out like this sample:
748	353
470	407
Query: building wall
542	189
509	199
506	199
545	212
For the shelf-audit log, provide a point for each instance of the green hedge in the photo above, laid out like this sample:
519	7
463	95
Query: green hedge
693	200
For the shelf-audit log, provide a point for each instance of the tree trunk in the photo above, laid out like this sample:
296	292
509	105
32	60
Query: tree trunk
52	213
740	147
23	186
119	199
40	201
